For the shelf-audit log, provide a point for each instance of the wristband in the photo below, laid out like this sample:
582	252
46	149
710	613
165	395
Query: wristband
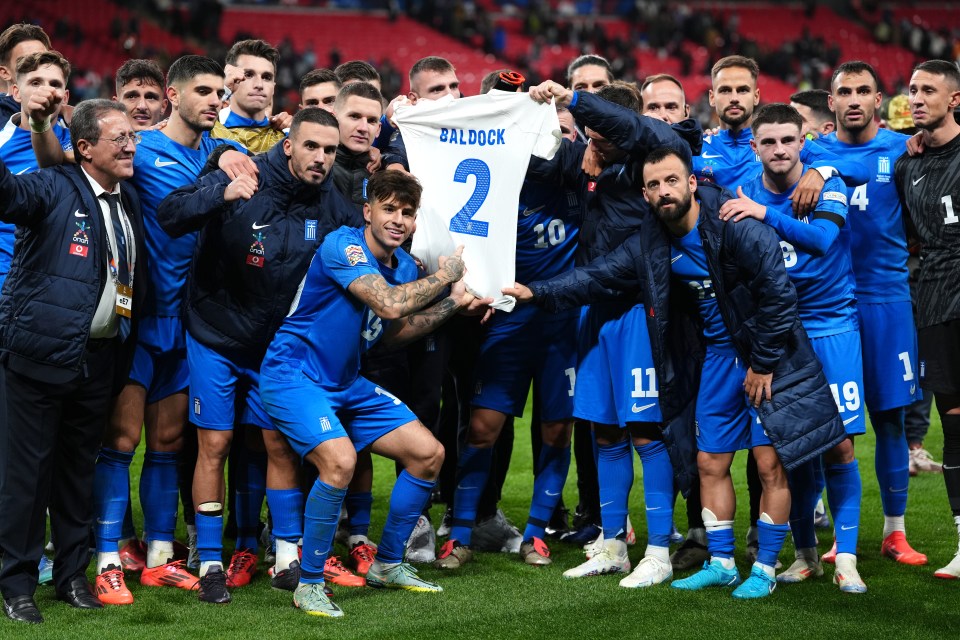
40	127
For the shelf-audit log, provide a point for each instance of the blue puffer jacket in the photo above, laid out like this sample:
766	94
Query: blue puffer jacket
59	272
251	254
759	308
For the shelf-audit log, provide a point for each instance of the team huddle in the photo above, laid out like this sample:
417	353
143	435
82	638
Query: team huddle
237	288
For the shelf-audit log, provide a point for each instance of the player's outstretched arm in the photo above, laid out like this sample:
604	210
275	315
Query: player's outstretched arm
189	208
41	108
394	302
22	198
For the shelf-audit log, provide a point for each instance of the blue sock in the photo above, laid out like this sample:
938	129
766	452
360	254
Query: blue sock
803	500
359	505
473	469
547	487
159	495
407	500
127	531
286	508
770	539
844	492
319	527
251	488
111	491
720	541
210	536
615	470
657	492
892	460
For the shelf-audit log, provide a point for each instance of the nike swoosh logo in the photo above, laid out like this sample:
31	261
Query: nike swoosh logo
675	258
552	493
892	490
917	181
949	468
317	552
160	164
637	409
653	508
79	215
707	156
849	420
23	171
530	212
259	226
845	528
460	487
605	504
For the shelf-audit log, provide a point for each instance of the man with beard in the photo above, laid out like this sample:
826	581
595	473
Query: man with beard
816	253
734	276
927	185
238	295
878	250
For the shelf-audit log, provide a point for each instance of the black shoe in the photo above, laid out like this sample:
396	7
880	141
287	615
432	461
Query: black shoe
288	579
213	587
22	609
80	594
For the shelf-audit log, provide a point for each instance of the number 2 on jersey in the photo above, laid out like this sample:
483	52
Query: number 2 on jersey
463	221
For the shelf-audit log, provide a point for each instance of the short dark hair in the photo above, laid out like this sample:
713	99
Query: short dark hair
360	89
661	77
776	113
817	100
622	93
34	61
660	154
589	59
354	70
17	33
313	115
736	61
430	63
85	123
490	80
855	66
943	68
397	185
318	76
255	48
186	68
146	71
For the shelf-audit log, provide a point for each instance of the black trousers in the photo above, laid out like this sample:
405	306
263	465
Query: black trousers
49	438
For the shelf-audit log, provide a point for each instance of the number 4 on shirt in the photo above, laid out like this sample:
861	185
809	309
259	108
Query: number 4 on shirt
463	221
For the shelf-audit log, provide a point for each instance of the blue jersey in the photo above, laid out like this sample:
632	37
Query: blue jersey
160	166
688	262
878	242
728	160
328	328
825	285
17	153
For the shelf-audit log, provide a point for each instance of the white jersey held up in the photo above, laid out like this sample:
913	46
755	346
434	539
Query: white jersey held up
471	156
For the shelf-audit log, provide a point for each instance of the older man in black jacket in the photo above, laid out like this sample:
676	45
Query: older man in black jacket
67	320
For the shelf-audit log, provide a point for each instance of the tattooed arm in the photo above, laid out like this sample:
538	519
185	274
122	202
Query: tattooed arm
392	303
409	328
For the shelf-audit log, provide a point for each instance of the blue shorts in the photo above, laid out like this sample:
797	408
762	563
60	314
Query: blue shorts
541	347
841	359
889	341
160	358
221	381
616	378
309	414
726	422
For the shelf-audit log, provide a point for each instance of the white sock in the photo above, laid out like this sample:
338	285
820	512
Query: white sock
726	563
286	554
352	541
107	558
205	567
697	534
159	552
817	510
767	569
891	524
660	553
846	558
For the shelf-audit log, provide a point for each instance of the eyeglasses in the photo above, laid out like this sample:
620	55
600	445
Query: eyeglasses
121	141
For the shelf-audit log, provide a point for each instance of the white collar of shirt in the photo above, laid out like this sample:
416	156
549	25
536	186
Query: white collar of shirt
97	189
